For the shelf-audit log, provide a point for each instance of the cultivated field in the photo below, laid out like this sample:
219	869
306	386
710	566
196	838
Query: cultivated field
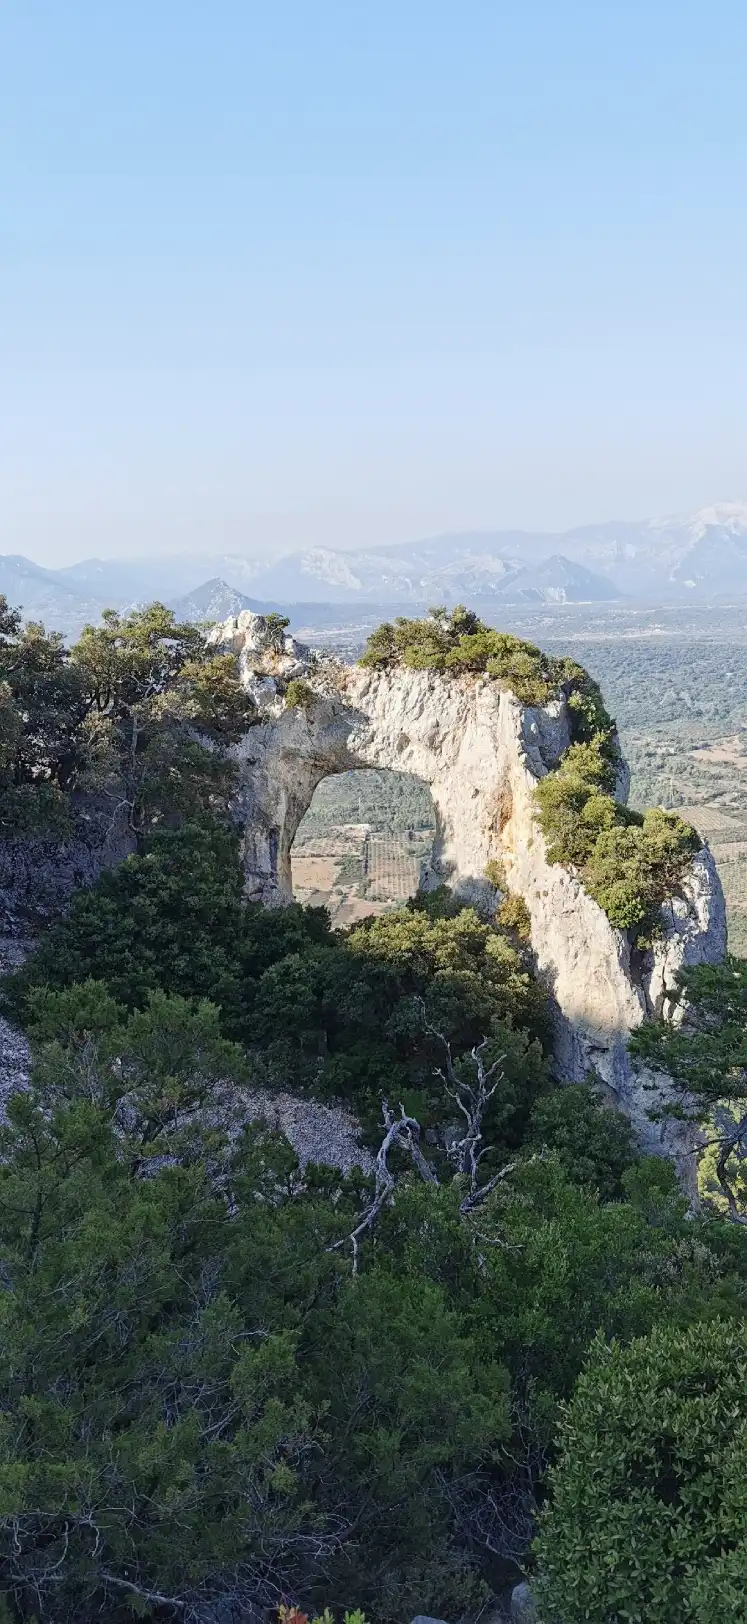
354	869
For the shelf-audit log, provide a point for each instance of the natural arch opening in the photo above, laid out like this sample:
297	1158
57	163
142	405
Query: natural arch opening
363	844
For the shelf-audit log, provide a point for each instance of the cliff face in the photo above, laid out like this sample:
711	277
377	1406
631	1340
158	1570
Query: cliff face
481	754
39	875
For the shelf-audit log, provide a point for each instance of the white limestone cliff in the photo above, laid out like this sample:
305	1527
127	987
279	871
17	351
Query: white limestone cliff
481	753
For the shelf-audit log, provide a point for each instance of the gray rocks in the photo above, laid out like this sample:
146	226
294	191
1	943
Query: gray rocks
38	875
694	932
15	1055
318	1133
523	1610
15	1062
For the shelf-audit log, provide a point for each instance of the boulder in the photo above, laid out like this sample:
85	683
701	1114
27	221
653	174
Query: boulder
523	1610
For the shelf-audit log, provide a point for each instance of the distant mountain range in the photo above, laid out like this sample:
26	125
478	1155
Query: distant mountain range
698	558
701	556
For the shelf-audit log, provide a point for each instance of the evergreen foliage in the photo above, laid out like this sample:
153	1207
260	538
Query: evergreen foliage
594	1144
706	1060
42	712
513	916
629	862
133	716
299	695
647	1518
459	642
201	1403
342	1015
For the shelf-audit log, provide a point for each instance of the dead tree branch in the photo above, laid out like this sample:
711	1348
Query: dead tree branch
471	1098
152	1596
404	1131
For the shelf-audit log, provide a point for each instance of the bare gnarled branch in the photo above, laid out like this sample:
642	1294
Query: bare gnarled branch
404	1131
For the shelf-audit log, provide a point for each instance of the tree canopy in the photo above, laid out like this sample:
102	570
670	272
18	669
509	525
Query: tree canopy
129	717
203	1405
647	1516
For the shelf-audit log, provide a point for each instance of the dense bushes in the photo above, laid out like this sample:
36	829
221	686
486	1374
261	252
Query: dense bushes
184	1344
594	1146
205	1411
171	917
647	1519
705	1059
353	1016
299	695
459	642
198	1400
201	1402
628	862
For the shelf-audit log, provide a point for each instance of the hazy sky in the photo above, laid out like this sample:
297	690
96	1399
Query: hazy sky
327	271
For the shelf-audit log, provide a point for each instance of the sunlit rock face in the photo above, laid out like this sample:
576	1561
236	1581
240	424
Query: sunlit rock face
481	753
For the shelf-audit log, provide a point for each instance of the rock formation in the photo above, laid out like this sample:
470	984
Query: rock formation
38	874
481	753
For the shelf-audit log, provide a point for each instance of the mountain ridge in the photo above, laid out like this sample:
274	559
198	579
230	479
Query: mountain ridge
700	557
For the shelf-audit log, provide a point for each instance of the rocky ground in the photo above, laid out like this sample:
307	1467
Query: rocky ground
14	1050
318	1133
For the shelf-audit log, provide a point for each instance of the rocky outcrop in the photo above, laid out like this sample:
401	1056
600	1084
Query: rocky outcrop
38	874
481	754
15	1055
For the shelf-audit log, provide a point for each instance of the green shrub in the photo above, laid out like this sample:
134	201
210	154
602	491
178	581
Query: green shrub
184	1356
299	695
705	1059
169	918
590	718
440	903
628	863
647	1521
584	777
632	870
123	720
513	915
459	642
277	626
294	1615
338	1014
594	1144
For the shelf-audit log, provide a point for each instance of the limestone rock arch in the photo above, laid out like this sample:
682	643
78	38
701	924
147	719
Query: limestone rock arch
462	738
481	753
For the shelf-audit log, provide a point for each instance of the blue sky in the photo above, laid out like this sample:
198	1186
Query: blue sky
338	273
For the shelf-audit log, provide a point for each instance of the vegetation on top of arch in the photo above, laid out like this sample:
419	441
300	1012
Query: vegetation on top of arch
459	641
